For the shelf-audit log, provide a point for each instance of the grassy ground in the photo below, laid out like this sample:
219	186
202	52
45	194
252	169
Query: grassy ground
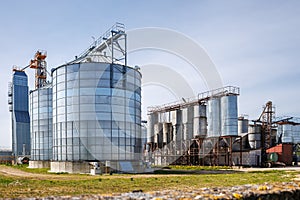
26	169
12	186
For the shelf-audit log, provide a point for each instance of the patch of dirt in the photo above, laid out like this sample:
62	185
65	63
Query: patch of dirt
12	172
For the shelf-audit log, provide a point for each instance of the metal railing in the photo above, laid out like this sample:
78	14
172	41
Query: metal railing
116	28
204	96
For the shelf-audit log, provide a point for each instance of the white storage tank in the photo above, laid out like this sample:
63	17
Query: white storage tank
229	121
243	124
164	117
254	136
158	134
188	131
200	121
152	119
213	118
167	133
187	114
176	117
187	120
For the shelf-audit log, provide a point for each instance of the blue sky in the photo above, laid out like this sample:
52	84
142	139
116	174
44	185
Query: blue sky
254	45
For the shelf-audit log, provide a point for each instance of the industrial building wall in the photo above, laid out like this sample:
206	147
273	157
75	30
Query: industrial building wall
249	158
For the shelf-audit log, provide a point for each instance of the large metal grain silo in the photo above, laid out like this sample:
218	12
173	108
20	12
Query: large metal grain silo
229	115
41	127
96	116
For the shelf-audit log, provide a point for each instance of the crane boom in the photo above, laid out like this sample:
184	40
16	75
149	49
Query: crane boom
20	69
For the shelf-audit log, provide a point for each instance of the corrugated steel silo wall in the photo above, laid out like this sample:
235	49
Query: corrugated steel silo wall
41	123
229	115
243	126
96	112
213	118
286	131
296	134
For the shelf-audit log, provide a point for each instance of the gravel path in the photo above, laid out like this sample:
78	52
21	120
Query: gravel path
265	191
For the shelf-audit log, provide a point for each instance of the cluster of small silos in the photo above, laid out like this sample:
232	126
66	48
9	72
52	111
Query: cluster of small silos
288	132
251	134
214	117
176	125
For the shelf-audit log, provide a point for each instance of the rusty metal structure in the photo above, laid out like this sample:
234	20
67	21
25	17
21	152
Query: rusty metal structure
40	65
266	120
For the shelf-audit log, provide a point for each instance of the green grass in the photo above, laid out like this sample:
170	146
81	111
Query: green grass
4	181
31	170
17	187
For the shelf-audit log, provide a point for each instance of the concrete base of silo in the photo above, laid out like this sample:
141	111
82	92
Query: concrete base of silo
128	166
39	164
70	167
85	167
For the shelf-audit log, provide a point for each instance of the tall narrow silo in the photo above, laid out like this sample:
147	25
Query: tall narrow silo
41	127
96	116
229	121
254	136
213	118
18	102
167	133
176	119
200	121
152	119
243	124
158	134
187	120
164	117
279	134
